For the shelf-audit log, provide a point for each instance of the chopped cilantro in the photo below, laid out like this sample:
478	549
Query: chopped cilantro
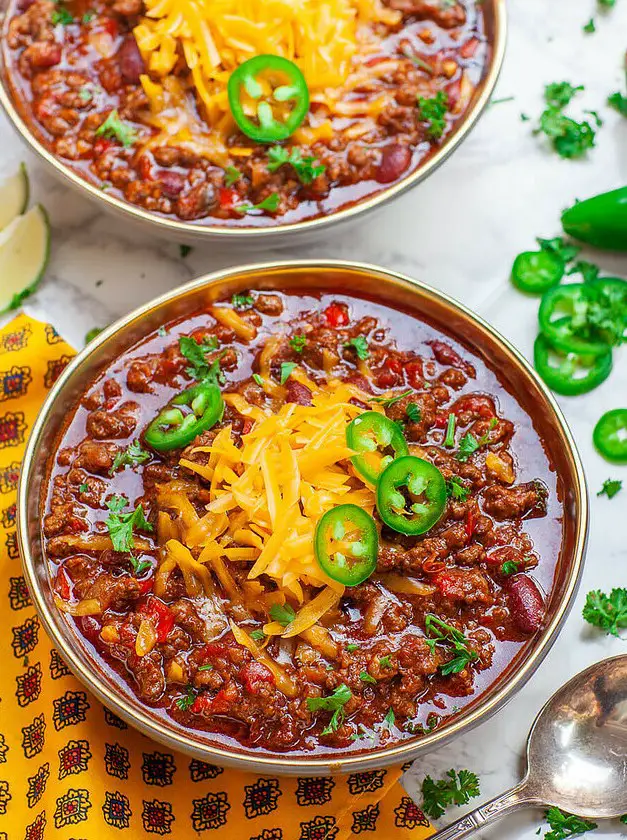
121	525
455	489
207	667
131	456
304	167
257	635
569	138
509	567
589	271
242	301
414	415
467	446
298	343
92	333
609	613
231	176
185	250
286	371
439	632
88	16
454	789
610	488
352	646
565	825
116	129
187	700
196	355
282	613
385	662
433	111
502	100
61	16
558	246
364	676
389	718
359	345
386	402
590	27
618	102
258	379
333	703
270	203
449	439
83	488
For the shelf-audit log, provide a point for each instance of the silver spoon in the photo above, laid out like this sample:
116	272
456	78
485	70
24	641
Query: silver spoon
576	753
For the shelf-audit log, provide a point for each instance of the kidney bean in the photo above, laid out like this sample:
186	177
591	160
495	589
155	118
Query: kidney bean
171	182
297	393
394	161
130	61
526	603
44	54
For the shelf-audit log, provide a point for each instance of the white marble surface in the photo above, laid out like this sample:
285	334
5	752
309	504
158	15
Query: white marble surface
460	232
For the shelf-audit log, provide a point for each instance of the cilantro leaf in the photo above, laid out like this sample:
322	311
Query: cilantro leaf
619	102
282	613
242	301
116	129
286	371
389	718
364	676
121	525
352	646
569	138
413	412
61	16
257	635
298	343
196	354
207	667
609	613
304	167
386	402
433	111
565	825
559	94
359	345
455	489
231	176
83	488
590	27
187	700
270	203
131	457
454	789
333	703
509	567
439	632
468	445
610	488
258	379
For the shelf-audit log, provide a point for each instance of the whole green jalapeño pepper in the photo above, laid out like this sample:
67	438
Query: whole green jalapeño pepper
378	440
346	543
411	495
600	221
187	415
268	97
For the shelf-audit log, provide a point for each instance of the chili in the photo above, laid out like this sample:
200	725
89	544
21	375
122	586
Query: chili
600	221
378	440
570	374
411	495
534	272
610	435
187	415
263	85
346	544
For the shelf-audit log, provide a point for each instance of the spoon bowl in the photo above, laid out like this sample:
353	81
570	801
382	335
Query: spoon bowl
576	753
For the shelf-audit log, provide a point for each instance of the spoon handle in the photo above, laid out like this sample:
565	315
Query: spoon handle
513	800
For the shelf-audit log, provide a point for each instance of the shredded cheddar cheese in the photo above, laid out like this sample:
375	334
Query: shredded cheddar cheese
326	38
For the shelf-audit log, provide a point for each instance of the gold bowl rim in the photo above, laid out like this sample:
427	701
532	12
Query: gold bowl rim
190	230
155	728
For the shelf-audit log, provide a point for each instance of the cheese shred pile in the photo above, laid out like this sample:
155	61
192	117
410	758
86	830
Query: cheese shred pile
325	38
265	499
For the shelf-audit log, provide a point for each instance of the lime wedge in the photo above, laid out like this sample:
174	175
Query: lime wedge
14	192
24	252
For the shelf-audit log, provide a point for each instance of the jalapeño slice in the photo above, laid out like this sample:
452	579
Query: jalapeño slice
411	495
378	441
570	374
187	415
346	544
610	435
268	97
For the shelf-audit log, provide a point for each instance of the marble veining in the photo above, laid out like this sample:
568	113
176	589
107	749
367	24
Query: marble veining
458	231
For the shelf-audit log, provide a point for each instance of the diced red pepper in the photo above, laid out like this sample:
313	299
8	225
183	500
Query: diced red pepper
162	616
446	583
77	525
110	25
336	315
414	374
213	649
63	584
227	197
102	145
145	586
470	523
394	364
253	675
441	420
202	704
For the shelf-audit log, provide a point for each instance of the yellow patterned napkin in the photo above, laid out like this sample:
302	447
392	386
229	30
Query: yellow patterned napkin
70	769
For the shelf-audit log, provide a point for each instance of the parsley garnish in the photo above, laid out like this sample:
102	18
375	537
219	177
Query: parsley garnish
455	489
184	250
414	415
92	333
116	129
61	16
196	355
286	371
439	632
231	176
386	402
590	27
565	825
364	676
564	250
610	488
270	203
454	789
258	379
433	111
242	301
303	166
569	138
608	613
509	567
131	456
385	662
619	102
333	703
351	647
589	271
257	635
359	345
282	613
298	343
449	439
83	488
187	701
121	525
